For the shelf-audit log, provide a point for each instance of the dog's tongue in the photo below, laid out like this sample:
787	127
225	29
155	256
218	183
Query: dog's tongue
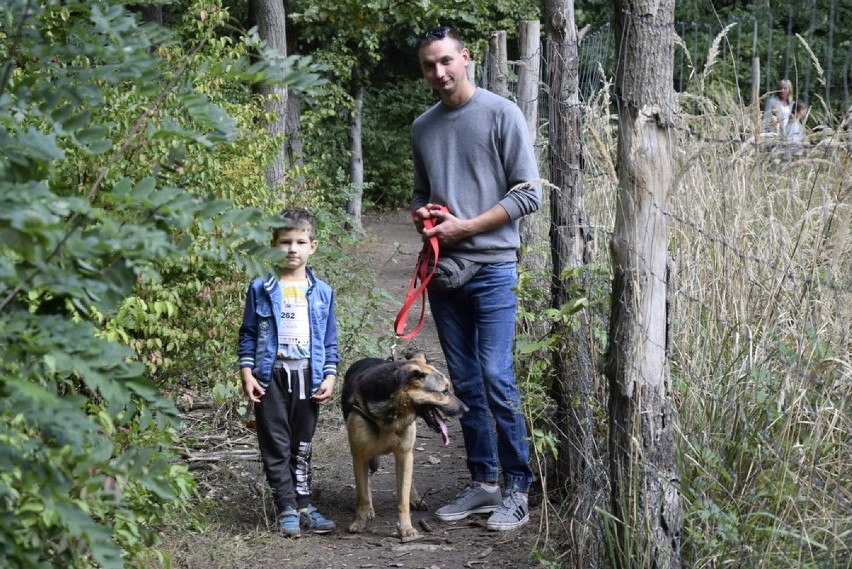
443	426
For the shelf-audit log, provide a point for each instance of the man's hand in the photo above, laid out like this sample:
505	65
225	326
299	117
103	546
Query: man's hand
325	391
449	228
418	215
251	387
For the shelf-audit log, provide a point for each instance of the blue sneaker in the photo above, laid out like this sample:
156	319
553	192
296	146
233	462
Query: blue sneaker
311	519
288	522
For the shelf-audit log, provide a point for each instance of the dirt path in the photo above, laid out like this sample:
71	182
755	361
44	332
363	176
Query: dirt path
244	535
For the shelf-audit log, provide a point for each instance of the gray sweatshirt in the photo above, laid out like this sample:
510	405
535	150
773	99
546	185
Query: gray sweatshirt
467	158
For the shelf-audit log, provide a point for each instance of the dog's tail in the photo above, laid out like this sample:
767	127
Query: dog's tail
374	464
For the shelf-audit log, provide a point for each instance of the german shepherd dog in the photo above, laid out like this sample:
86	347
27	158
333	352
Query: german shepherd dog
381	400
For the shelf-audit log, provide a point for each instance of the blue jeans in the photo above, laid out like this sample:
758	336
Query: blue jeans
476	327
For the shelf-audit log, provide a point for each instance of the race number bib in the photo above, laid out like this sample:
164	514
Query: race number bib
294	330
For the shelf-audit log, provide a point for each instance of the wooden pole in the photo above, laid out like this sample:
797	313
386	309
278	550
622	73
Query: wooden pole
499	77
529	69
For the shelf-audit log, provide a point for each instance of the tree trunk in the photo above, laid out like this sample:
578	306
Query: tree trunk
152	13
271	21
574	383
356	156
645	498
293	152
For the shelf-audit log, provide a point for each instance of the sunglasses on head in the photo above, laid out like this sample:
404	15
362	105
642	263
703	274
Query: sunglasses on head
434	34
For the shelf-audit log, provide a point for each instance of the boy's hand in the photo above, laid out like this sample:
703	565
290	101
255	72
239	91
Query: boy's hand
251	387
325	391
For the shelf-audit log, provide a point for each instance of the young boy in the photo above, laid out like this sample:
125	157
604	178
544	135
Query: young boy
288	364
795	130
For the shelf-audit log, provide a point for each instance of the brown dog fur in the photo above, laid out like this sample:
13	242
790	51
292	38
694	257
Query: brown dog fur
381	401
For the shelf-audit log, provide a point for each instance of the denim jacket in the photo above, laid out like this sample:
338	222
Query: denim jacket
258	339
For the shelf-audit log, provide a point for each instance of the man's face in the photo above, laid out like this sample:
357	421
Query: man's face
444	65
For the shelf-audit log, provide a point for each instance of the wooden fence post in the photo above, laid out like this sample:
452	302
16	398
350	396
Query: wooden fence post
534	231
578	468
498	64
529	69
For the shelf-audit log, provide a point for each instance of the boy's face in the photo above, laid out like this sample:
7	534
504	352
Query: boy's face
297	246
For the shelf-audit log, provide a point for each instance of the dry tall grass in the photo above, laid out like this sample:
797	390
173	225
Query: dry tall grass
761	338
762	349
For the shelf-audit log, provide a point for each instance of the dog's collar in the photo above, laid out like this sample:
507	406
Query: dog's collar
364	413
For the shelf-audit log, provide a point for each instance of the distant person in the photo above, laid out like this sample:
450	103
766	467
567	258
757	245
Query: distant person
795	132
288	365
473	154
779	107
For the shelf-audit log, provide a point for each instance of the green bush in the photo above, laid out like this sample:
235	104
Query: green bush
389	111
104	128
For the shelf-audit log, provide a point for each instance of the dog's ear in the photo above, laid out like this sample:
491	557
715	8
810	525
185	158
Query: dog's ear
418	357
407	371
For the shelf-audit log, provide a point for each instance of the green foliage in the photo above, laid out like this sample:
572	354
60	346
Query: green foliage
368	43
103	126
476	20
768	31
539	336
388	114
755	469
593	13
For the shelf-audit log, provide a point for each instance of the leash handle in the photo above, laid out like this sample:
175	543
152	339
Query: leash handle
421	277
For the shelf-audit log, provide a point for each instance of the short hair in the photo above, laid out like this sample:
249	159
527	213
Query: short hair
435	34
297	218
799	106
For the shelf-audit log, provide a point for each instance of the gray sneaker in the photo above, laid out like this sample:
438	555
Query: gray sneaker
473	499
512	513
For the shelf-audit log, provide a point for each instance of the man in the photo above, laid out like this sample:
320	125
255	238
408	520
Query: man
473	155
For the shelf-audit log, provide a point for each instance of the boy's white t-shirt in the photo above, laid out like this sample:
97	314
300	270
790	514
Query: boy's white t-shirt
784	112
794	131
294	330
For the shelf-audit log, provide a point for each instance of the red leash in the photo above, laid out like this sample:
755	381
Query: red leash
423	274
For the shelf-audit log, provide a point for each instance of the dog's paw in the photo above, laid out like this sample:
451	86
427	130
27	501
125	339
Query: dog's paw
364	515
419	506
362	518
407	533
